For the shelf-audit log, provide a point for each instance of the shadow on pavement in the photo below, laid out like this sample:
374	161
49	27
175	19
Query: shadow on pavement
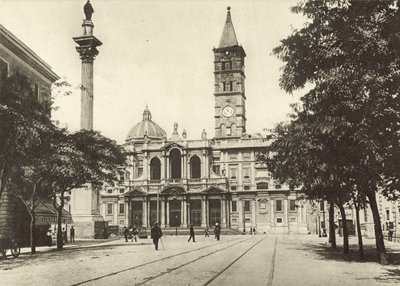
322	251
71	252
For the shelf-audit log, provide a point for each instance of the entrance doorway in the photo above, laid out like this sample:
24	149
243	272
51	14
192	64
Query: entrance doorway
195	212
137	213
214	211
153	212
174	213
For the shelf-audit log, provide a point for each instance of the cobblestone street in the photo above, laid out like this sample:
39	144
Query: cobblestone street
235	260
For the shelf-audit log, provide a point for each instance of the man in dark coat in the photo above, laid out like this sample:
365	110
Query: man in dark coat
191	234
126	232
156	234
72	234
217	230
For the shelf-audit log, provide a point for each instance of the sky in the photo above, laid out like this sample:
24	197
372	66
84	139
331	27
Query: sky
158	53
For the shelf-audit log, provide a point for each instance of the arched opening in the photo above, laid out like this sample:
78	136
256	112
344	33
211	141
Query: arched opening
155	169
175	164
195	168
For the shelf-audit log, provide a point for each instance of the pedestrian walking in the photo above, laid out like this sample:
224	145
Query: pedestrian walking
126	233
64	235
192	233
156	234
217	230
134	233
72	234
206	231
254	230
49	238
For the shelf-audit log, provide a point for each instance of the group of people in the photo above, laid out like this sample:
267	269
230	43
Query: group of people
49	235
156	233
131	233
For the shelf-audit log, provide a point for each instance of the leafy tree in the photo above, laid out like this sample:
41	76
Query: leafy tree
84	157
348	51
24	130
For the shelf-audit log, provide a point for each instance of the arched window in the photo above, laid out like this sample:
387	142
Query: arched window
175	164
155	169
195	168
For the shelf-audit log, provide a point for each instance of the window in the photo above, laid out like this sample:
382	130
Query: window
387	215
140	171
246	156
279	220
195	167
278	205
292	219
227	65
262	186
230	86
175	164
228	131
246	206
278	186
121	208
121	191
109	208
246	173
233	156
233	188
321	206
121	177
121	222
109	191
365	215
246	188
155	169
234	206
292	205
232	173
216	169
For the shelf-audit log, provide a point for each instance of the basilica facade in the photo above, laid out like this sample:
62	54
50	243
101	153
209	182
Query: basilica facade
179	182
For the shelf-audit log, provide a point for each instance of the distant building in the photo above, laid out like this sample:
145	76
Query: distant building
179	182
16	56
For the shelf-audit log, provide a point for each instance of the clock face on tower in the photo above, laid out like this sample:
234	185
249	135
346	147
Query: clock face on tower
227	111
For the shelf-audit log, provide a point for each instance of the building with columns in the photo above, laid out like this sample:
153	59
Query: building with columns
179	182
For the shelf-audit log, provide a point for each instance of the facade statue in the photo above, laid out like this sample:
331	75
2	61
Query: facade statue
88	10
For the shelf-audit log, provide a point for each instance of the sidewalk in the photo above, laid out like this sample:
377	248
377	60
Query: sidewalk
79	243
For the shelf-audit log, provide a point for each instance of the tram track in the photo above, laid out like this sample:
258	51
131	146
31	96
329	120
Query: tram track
215	276
195	260
155	261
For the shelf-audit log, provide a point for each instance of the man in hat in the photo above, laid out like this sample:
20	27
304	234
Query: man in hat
217	230
156	234
191	233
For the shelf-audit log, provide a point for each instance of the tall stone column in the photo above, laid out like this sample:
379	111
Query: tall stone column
162	223
203	213
85	208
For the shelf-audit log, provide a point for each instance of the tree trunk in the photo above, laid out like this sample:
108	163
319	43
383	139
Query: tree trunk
60	241
360	241
345	231
33	232
332	234
380	245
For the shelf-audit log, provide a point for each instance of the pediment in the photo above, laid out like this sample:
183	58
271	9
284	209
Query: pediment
136	192
169	146
214	190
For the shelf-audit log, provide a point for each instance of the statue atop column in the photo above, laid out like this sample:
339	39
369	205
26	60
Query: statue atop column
88	10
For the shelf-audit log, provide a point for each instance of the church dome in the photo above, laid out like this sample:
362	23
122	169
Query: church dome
145	128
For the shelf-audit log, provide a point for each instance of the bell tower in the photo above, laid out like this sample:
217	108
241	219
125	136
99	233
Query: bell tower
229	94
